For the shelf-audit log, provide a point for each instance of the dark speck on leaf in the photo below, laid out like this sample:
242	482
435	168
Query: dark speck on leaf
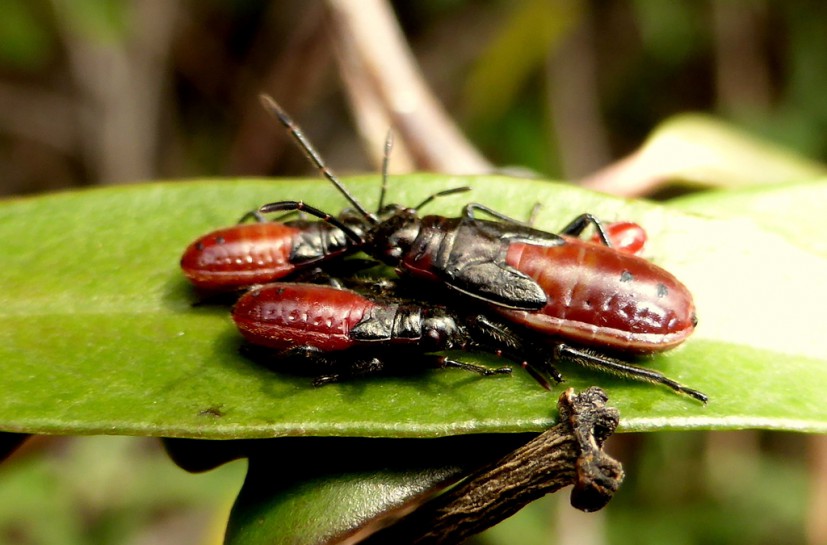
215	412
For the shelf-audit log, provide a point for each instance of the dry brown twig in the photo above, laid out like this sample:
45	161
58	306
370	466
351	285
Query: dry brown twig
570	453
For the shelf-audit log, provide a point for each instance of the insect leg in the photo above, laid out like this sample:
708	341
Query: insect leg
593	360
253	214
310	360
578	224
442	193
442	362
300	360
313	211
356	368
503	339
469	209
521	232
368	366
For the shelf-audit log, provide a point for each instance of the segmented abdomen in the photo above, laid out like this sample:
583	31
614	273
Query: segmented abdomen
283	315
599	296
246	254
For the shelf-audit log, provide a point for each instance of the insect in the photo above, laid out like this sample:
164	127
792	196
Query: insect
568	291
605	297
337	333
246	254
600	296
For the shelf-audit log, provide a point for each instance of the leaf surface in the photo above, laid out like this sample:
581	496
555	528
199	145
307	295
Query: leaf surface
100	335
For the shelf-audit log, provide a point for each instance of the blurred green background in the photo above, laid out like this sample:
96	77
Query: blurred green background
114	91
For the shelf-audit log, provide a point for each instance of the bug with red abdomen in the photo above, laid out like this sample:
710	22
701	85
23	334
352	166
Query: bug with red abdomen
338	333
255	253
247	254
596	298
602	299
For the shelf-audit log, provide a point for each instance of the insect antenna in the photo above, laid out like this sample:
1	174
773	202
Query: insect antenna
385	162
276	111
384	187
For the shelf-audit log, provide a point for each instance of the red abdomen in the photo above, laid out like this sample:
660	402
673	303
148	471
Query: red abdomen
603	297
238	256
284	315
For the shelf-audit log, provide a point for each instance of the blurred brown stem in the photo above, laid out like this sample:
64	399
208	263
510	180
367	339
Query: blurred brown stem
119	84
816	523
386	89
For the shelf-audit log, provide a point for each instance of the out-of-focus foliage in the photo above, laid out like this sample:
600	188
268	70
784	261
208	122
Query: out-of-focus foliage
24	43
110	490
684	488
560	87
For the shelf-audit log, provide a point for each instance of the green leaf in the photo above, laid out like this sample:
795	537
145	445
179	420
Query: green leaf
323	508
280	516
794	211
99	334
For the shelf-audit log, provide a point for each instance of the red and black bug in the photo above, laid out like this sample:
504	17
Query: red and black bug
466	253
601	297
605	300
336	333
247	254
